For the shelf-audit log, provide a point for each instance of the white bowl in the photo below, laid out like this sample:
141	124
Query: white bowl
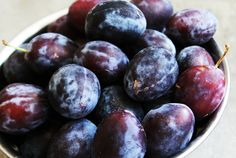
11	150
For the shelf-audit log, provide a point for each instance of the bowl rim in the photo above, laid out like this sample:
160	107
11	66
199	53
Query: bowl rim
37	26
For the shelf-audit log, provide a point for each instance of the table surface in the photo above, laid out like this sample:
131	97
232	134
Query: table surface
18	14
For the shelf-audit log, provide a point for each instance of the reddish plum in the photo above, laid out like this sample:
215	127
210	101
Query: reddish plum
118	22
169	129
106	60
157	12
151	73
78	12
192	26
23	107
123	134
202	89
74	91
73	140
114	98
62	27
193	56
49	51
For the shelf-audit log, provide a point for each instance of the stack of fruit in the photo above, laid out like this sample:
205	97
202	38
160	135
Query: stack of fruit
134	69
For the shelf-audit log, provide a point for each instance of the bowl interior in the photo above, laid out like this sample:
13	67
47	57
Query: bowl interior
203	129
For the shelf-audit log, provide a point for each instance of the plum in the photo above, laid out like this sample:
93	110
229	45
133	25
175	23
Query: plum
202	89
23	107
114	98
78	12
123	134
156	38
36	143
167	98
192	26
151	73
74	91
193	56
50	51
157	12
3	81
169	129
106	60
150	38
73	140
62	26
17	69
119	22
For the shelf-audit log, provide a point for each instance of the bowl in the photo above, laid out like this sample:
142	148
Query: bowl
11	150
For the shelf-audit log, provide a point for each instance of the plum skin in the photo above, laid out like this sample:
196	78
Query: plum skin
193	56
106	60
3	80
17	69
23	107
61	26
151	73
74	91
157	12
114	98
114	21
78	12
192	26
73	140
37	142
48	52
125	138
169	129
207	87
150	38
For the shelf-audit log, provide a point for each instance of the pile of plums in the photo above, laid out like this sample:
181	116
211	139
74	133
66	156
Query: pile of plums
112	79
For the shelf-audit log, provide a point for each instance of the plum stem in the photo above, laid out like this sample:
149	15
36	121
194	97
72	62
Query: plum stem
226	50
136	85
5	43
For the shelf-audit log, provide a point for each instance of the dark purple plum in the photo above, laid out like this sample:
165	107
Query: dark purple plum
81	41
157	12
78	12
167	98
157	39
193	56
118	22
106	60
120	135
62	27
3	81
151	73
17	69
50	51
36	143
74	91
114	98
148	39
192	26
73	140
169	129
23	107
202	88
